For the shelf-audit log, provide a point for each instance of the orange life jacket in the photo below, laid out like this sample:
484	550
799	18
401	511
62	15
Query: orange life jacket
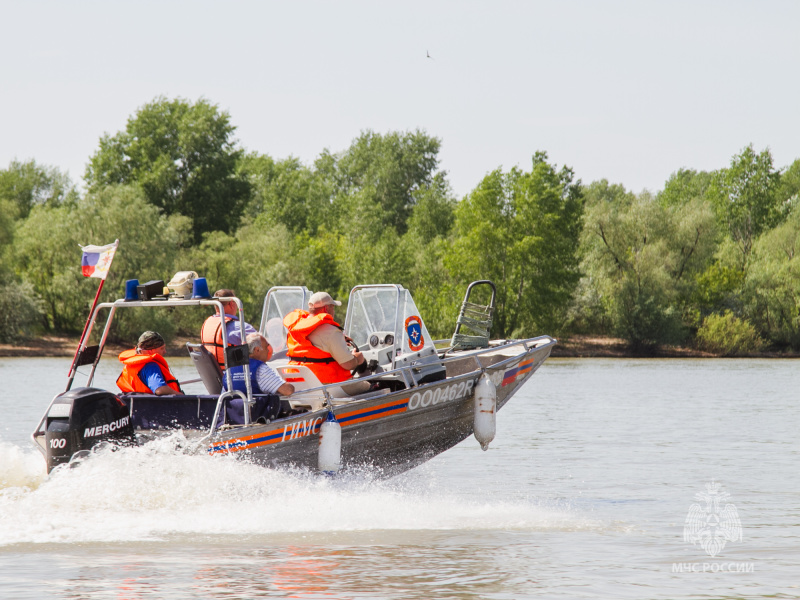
211	337
129	381
301	351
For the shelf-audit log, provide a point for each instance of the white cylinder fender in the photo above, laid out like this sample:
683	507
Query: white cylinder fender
484	425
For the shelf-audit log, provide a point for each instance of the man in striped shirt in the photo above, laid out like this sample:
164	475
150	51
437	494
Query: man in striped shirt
262	378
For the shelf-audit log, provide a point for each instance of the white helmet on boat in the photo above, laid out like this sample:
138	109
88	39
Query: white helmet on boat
181	283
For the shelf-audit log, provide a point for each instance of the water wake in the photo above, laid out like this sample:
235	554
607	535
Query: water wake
155	491
18	468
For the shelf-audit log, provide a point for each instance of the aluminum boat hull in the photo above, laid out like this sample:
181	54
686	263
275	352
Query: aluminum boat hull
393	432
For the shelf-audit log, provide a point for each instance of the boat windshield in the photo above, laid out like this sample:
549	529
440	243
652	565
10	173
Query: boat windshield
383	310
280	301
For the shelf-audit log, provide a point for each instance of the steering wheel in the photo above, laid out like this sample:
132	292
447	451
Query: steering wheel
362	368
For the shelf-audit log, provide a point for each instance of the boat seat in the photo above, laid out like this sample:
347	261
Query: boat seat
151	412
207	367
303	378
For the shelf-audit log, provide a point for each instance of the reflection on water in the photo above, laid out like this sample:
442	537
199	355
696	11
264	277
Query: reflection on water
584	493
468	569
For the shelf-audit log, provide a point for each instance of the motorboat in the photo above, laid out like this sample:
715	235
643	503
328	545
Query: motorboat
419	397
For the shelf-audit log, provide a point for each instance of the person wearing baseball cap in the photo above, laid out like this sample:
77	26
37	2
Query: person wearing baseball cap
321	300
145	369
317	341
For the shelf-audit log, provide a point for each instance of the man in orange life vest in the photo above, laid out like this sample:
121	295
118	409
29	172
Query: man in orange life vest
317	341
146	370
211	332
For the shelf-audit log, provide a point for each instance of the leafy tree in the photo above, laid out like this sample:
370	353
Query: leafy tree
693	237
183	156
286	193
643	259
45	247
746	198
521	231
349	213
422	249
377	180
21	186
436	292
48	253
789	191
319	263
372	259
625	251
256	258
771	292
433	213
717	288
7	209
684	185
20	312
26	184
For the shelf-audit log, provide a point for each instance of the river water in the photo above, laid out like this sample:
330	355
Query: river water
584	493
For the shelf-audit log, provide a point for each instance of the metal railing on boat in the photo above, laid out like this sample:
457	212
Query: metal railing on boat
407	372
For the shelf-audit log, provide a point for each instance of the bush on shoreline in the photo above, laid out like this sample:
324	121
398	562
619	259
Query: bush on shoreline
20	312
727	335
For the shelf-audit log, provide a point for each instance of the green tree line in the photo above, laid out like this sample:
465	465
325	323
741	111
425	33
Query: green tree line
708	261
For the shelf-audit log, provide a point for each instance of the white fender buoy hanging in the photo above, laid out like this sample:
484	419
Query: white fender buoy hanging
485	411
329	458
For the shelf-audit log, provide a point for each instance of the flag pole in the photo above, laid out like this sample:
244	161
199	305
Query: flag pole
73	369
83	334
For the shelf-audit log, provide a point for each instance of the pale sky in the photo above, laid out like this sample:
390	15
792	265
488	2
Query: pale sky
627	91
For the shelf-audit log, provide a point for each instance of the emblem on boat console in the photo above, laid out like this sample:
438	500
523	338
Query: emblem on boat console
416	341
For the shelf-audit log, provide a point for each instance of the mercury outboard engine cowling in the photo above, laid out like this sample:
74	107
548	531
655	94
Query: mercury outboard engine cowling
82	418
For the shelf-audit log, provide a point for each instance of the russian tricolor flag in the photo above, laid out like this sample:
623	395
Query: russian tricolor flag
97	259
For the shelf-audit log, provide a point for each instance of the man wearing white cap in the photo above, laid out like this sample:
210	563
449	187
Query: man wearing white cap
317	341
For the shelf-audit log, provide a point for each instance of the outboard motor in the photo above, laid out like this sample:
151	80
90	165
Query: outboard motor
81	419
